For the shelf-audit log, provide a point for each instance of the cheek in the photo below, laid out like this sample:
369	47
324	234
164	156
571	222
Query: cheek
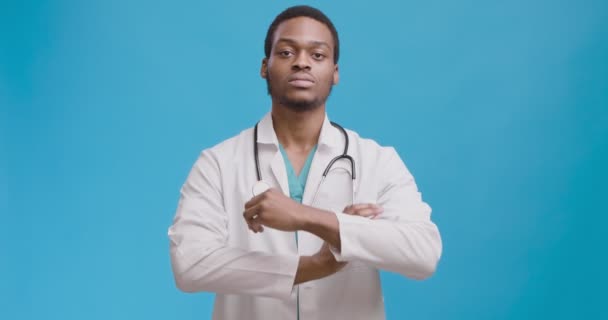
275	76
328	76
328	80
277	68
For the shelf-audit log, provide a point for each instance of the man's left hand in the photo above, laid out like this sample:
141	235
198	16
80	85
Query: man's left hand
366	210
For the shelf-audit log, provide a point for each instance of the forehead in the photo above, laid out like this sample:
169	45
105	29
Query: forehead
303	29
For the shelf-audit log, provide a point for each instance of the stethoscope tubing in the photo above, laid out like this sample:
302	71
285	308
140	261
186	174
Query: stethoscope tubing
344	154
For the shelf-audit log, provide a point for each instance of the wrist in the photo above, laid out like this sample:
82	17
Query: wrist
322	223
304	217
311	268
322	263
311	219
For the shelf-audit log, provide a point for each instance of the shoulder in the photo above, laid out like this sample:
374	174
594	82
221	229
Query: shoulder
382	163
230	149
370	148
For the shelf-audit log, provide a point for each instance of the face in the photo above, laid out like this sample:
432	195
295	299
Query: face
300	70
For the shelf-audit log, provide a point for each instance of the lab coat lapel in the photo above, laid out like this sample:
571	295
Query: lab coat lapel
328	148
267	137
277	165
319	162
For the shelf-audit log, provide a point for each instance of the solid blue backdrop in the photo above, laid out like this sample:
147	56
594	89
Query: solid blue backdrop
499	109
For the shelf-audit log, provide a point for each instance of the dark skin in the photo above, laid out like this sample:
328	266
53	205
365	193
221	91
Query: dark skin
301	72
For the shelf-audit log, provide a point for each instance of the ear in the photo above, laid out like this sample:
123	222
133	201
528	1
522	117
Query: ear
264	68
336	75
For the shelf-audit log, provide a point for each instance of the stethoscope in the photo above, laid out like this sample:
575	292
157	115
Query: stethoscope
260	186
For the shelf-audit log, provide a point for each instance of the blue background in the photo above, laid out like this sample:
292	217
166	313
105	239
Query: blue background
499	109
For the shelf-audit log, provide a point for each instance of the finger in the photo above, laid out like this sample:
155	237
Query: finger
367	206
348	209
364	213
261	197
325	246
256	227
253	219
360	206
253	201
368	212
252	213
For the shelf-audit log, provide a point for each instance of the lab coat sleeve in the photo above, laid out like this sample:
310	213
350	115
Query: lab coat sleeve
403	238
200	257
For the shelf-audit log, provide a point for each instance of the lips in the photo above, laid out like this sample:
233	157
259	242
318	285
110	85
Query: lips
301	80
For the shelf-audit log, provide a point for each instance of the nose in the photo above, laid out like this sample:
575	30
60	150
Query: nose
302	61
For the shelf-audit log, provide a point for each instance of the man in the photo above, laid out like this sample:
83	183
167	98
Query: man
310	247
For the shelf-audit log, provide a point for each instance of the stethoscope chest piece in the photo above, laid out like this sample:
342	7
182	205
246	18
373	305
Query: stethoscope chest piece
260	187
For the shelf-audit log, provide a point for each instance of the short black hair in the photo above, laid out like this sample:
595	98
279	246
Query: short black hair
301	11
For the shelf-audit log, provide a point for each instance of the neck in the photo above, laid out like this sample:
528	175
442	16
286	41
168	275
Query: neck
298	130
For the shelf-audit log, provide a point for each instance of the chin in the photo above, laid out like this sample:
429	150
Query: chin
301	105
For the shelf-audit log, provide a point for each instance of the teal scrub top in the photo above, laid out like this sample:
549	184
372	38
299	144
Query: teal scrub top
296	187
297	183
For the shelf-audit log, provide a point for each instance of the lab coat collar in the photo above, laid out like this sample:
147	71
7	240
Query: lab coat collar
329	136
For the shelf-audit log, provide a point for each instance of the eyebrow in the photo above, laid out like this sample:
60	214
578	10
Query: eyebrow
313	42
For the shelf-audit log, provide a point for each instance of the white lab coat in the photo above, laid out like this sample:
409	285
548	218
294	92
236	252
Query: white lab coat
213	250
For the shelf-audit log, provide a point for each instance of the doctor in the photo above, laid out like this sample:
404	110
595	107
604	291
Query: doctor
261	224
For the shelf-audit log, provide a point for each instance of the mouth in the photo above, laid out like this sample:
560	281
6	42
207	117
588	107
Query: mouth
301	81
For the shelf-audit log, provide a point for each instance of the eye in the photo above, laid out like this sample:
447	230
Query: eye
318	56
285	53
